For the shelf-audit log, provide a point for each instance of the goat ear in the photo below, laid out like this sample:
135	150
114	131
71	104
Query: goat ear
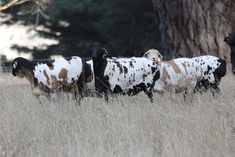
104	56
105	53
104	50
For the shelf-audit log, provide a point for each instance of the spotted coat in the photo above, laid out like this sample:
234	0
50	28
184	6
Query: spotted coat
123	75
176	75
63	74
212	67
213	70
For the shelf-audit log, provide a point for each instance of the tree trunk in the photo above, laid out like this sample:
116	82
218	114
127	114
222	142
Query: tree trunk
195	27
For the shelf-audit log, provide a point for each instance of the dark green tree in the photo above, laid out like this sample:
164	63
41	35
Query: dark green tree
124	27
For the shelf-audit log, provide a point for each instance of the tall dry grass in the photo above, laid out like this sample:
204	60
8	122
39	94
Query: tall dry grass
126	126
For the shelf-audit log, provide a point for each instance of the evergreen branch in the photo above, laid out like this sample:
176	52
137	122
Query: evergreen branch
12	3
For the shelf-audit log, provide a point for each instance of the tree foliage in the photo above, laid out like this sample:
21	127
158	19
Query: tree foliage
122	26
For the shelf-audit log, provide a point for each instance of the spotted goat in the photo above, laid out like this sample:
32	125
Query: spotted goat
53	76
123	75
214	69
177	75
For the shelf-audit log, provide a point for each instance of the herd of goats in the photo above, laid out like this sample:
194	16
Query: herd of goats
105	76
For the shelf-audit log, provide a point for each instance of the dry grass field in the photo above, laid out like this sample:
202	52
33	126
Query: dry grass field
126	126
